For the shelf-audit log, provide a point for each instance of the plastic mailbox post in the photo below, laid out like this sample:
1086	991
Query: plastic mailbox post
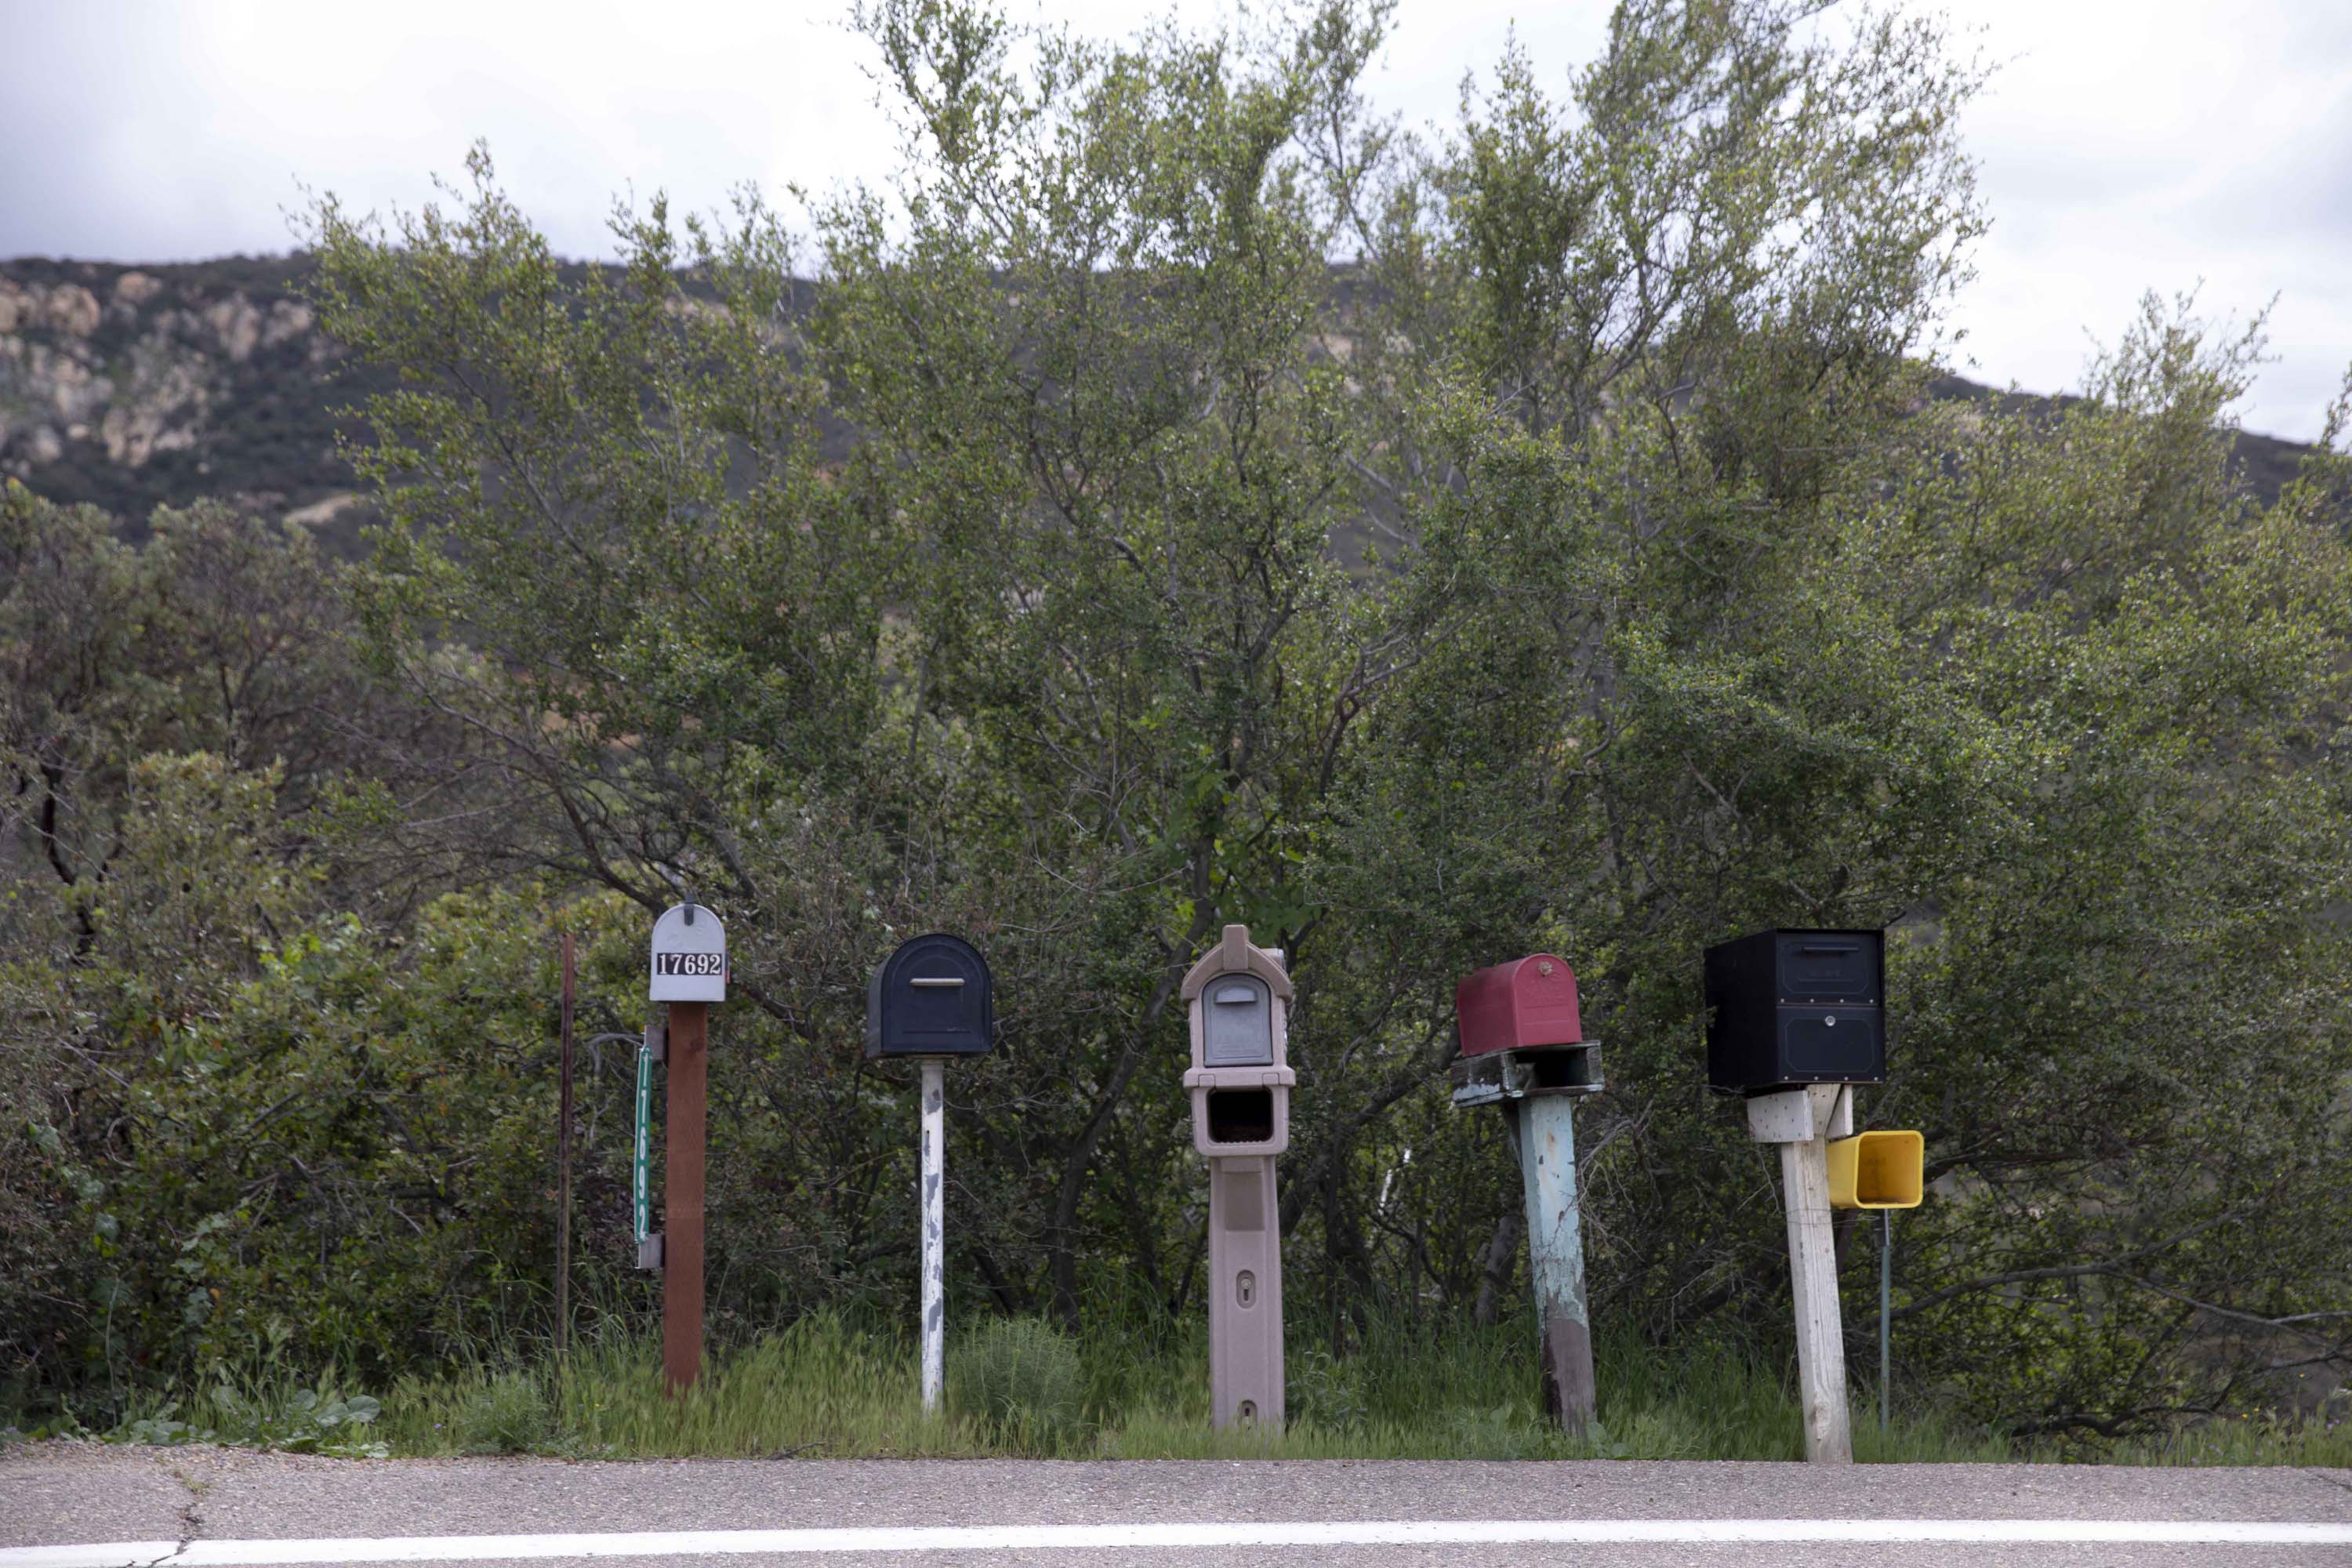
1238	1000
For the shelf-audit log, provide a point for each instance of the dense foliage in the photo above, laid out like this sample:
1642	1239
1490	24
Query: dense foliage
1422	552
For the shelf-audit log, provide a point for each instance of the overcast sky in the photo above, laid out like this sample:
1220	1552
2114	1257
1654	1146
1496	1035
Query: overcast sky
2126	144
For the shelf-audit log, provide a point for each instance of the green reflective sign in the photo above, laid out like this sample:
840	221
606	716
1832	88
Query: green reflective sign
640	1178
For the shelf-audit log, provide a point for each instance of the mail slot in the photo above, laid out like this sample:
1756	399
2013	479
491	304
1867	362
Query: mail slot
1793	1008
1240	1116
930	998
1822	966
1237	1024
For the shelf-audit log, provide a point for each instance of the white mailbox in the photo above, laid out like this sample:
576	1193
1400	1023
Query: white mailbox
689	956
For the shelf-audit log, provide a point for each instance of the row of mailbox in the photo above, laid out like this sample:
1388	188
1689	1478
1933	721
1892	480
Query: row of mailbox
1787	1007
932	998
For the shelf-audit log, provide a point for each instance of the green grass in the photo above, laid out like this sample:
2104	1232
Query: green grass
2263	1439
823	1388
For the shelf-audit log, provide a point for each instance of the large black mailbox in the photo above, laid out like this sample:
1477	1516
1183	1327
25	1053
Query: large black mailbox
1795	1007
930	998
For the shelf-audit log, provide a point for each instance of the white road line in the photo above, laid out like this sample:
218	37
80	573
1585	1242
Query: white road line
1066	1536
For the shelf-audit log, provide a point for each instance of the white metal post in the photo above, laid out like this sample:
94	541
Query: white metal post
935	1248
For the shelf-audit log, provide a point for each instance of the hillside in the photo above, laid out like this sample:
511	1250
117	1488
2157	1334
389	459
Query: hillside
134	388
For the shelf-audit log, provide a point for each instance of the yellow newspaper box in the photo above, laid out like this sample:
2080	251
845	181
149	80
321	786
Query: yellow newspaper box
1877	1171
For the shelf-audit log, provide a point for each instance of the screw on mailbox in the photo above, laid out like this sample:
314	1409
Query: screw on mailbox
1523	1050
1776	999
687	971
929	1000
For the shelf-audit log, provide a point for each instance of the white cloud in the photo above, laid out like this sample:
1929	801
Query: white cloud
2125	146
2163	146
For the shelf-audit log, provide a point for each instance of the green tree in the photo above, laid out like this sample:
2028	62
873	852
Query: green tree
1184	497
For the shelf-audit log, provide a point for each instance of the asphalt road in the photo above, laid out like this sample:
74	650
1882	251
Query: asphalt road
210	1509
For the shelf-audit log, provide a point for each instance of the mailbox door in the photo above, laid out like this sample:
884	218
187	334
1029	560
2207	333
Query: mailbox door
1237	1022
689	961
1832	1045
931	998
1545	990
1827	964
932	1005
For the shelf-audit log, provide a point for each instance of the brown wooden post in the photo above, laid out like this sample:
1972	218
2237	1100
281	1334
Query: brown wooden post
682	1195
563	1164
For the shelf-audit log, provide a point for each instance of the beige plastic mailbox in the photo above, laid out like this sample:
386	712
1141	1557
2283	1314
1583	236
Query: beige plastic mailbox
1238	998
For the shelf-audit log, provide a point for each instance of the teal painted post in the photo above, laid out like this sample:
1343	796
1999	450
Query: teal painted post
1547	1134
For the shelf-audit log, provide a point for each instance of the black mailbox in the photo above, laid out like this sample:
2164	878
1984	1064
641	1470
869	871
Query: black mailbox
930	998
1795	1007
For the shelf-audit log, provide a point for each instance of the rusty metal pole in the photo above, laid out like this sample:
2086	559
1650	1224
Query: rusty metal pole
563	1164
682	1195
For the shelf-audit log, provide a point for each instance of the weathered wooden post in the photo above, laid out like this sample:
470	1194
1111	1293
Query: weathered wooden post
1556	1257
1803	1121
1798	1018
688	972
682	1194
1522	1049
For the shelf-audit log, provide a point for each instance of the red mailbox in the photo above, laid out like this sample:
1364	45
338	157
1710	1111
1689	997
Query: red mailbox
1529	1001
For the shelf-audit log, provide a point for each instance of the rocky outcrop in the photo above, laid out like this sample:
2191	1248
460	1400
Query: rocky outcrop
67	308
239	326
163	405
134	388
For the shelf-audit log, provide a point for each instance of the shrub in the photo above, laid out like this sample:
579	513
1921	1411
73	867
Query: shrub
507	1414
1017	1374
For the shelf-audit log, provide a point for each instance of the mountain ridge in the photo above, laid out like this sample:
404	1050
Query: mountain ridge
132	386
